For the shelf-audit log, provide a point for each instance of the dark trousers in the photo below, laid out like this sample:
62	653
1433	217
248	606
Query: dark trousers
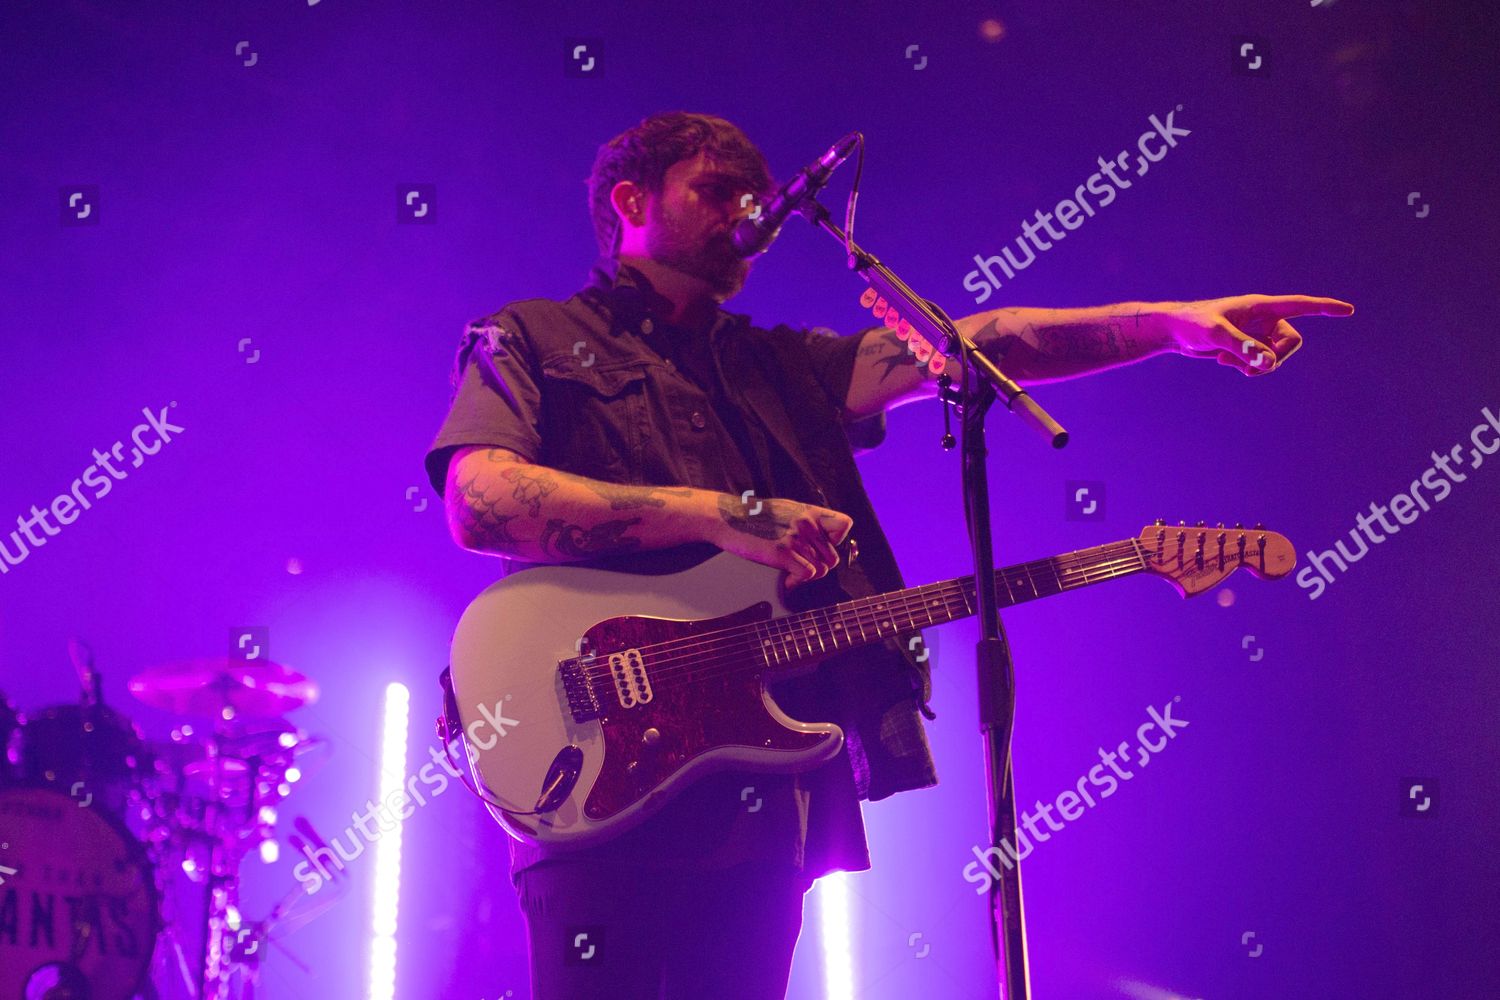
604	930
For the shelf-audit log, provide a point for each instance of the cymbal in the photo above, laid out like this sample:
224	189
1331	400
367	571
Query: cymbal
223	688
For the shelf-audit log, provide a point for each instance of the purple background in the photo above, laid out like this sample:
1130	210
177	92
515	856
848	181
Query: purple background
260	202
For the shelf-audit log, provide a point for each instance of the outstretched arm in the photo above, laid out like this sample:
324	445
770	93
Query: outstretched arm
1248	332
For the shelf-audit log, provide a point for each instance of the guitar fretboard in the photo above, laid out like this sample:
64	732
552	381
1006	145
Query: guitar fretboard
847	625
788	642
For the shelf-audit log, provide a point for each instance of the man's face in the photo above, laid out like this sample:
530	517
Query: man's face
688	225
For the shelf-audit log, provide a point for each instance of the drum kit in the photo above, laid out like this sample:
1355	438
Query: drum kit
103	832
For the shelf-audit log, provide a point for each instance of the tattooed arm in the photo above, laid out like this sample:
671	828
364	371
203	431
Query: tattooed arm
1048	345
1031	345
1250	333
501	504
886	374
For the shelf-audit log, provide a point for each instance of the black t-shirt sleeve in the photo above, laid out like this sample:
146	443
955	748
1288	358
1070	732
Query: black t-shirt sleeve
496	401
830	359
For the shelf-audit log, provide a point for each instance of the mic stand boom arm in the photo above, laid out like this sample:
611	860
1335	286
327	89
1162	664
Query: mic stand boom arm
932	323
980	381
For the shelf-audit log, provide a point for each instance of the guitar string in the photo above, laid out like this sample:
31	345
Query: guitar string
751	660
876	612
876	607
756	642
865	610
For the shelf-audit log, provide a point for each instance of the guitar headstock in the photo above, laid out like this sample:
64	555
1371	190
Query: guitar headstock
1195	557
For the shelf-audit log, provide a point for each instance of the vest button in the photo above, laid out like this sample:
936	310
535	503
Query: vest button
647	326
698	420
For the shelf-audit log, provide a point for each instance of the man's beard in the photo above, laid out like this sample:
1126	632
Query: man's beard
712	260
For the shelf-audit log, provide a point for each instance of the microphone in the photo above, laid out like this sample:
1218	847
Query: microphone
753	236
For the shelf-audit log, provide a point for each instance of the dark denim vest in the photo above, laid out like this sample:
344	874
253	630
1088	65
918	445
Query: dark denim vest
614	408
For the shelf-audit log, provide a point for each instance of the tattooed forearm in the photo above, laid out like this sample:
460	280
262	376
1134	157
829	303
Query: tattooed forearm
494	497
762	523
482	520
622	497
1042	344
499	535
533	482
574	541
892	353
1105	339
1030	345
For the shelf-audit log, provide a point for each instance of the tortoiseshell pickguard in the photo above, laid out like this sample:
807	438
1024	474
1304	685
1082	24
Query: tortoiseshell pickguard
692	716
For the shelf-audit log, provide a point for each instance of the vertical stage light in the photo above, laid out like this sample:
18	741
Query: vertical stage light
834	935
388	847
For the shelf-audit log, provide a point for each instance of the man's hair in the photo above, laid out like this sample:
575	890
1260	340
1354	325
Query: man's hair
643	154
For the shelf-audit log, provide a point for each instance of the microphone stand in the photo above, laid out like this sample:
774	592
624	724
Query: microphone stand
981	383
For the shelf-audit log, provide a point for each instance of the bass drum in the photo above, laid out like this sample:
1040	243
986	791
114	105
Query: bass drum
78	908
92	754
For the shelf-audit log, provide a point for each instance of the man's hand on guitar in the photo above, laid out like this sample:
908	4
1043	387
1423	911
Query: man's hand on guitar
498	502
788	535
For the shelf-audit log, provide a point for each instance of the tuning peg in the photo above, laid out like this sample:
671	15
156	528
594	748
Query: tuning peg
1259	526
1159	522
1198	525
1219	525
1238	526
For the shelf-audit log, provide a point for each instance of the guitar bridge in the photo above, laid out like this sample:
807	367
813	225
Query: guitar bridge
582	702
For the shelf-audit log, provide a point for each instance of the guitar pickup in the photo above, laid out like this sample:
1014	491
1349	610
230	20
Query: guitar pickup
628	671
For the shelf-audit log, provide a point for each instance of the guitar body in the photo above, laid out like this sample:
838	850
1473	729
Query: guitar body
589	697
663	729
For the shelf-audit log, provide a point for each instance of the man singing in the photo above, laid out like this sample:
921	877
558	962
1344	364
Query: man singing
638	416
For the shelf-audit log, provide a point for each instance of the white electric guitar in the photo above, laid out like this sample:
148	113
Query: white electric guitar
614	690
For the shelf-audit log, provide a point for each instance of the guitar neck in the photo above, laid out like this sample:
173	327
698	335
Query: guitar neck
850	624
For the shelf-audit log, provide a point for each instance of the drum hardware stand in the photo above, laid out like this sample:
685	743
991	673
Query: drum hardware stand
242	769
201	802
249	940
